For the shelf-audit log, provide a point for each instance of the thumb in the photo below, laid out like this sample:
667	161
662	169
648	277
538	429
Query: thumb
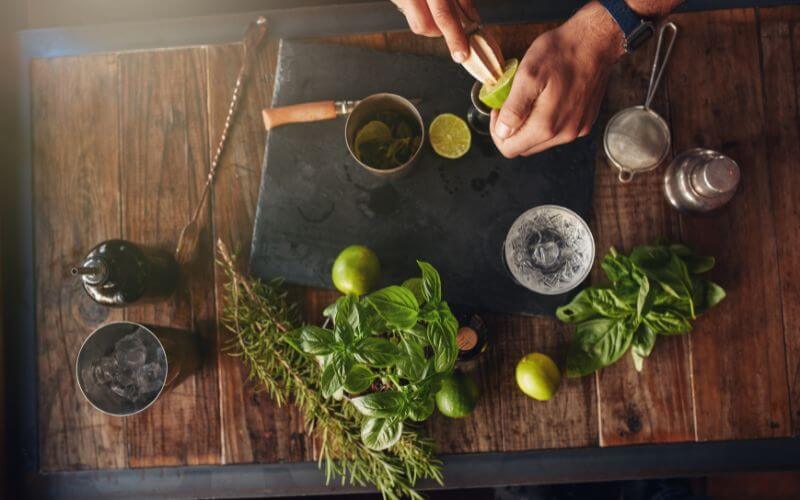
518	105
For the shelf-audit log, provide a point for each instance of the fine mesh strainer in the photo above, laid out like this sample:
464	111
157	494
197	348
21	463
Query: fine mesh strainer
637	139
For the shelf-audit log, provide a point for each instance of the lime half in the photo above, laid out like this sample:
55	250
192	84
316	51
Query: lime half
450	136
495	95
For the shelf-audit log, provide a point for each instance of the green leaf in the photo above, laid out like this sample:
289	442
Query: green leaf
411	363
644	339
667	322
606	303
359	379
443	341
681	250
597	343
617	267
381	433
431	282
316	341
396	305
579	309
379	404
667	269
376	352
331	380
421	410
346	319
714	294
697	264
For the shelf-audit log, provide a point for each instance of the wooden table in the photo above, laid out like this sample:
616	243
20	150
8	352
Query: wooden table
121	144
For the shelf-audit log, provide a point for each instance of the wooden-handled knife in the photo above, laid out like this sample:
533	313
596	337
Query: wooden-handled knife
309	112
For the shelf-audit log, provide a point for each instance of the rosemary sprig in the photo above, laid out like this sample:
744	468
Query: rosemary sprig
261	319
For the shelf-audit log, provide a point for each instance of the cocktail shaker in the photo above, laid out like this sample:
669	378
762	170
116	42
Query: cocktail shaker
701	180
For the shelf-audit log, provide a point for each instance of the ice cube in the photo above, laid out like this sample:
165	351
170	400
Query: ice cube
125	391
130	351
149	378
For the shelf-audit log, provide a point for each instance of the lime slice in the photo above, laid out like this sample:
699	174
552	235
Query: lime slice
495	95
372	131
450	136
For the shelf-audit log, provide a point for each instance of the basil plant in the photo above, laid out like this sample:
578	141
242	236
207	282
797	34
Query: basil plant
386	354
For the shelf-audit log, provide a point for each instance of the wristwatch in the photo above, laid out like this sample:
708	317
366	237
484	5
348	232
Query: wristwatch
636	29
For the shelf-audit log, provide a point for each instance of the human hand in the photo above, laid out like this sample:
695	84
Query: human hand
435	18
559	85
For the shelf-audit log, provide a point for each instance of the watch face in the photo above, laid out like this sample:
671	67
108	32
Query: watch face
640	35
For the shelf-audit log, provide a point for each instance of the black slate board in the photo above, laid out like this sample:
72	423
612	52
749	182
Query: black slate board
315	200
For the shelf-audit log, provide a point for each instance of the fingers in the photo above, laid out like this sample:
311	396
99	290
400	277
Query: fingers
418	16
448	20
515	111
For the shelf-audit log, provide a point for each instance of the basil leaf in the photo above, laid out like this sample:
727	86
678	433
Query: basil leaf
714	294
379	404
579	309
411	363
376	352
699	265
331	381
644	339
597	343
667	322
421	410
681	250
443	341
381	433
606	303
617	267
316	341
359	379
431	282
396	305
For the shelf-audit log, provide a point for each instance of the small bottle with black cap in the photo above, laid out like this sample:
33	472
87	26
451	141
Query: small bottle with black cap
118	273
472	337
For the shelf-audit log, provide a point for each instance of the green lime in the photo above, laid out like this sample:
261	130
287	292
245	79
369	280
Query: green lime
356	270
458	395
372	131
415	285
495	95
450	136
538	376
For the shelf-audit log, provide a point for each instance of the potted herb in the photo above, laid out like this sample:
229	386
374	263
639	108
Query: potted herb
386	354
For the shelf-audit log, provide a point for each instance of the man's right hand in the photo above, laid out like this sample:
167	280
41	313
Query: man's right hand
435	18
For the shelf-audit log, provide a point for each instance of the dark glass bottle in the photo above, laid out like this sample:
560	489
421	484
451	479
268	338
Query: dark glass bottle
472	337
118	273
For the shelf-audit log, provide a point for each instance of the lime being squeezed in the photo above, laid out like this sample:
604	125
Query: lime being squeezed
495	94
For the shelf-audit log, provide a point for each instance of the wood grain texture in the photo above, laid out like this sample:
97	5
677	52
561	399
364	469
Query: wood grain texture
253	428
738	358
76	186
780	42
654	405
164	162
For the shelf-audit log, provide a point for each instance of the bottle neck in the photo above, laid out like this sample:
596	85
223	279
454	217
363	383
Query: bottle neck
93	271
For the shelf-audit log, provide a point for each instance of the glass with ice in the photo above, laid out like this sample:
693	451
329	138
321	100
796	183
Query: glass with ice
122	368
549	249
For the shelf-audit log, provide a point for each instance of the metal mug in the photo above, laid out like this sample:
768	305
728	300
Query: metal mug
365	110
177	348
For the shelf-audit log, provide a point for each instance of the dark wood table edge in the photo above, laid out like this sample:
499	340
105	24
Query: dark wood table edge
462	471
18	244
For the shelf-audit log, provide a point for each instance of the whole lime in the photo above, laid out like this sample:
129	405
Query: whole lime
356	270
415	285
538	376
458	395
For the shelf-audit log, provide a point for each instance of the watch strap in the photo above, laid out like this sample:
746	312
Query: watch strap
636	29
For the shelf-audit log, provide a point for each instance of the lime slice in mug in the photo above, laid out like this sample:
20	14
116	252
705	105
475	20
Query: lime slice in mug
495	95
450	136
374	131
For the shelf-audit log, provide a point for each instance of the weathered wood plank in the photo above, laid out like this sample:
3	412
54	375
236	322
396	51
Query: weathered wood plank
738	356
253	428
76	195
780	42
656	404
164	161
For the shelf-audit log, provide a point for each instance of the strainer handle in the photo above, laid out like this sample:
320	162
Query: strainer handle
660	63
625	176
